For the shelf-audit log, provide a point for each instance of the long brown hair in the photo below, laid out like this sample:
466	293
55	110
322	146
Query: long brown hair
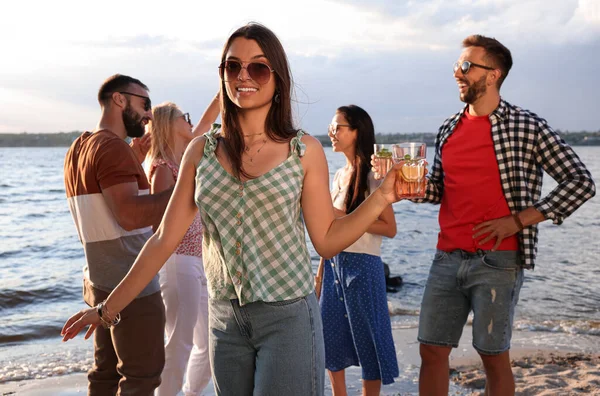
358	187
279	123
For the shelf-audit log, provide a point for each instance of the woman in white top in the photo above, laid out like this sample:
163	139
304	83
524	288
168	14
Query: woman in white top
356	322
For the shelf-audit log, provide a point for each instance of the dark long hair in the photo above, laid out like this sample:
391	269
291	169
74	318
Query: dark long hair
359	120
279	123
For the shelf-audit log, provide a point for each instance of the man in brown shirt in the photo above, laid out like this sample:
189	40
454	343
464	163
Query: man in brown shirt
109	199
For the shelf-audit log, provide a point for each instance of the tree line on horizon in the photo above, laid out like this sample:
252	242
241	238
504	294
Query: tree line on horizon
64	139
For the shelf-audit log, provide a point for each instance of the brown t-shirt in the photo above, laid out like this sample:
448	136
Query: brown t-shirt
96	161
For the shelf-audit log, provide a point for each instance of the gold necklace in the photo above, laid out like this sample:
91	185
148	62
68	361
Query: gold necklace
247	150
254	134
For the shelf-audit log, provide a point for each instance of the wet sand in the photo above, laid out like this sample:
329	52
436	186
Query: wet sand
543	363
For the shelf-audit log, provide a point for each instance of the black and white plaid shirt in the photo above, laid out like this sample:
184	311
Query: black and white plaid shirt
525	146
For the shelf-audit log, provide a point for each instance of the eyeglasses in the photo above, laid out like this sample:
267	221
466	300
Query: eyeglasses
260	72
465	66
147	102
333	128
187	118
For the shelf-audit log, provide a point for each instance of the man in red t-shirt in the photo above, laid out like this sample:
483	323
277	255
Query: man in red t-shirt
108	196
487	176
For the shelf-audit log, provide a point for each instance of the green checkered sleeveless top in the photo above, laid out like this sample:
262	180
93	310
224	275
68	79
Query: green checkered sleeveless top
254	246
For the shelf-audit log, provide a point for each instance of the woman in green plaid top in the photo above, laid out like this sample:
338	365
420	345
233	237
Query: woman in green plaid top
255	180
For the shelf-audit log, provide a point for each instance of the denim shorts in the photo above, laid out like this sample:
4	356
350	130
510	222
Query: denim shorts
264	348
488	283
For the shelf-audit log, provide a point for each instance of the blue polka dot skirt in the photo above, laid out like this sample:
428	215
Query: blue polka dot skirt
356	320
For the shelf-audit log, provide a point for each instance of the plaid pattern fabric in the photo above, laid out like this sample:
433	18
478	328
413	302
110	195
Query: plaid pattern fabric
525	146
254	248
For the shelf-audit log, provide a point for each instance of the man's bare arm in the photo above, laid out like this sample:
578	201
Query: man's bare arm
135	211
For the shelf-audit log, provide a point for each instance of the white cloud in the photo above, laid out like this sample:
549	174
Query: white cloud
42	114
56	54
587	14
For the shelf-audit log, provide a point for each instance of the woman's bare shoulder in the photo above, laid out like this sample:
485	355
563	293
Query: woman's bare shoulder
314	155
312	144
195	150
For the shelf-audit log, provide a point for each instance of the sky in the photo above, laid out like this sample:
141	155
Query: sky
393	58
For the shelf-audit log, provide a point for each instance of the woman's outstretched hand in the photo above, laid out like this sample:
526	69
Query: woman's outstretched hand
387	186
78	321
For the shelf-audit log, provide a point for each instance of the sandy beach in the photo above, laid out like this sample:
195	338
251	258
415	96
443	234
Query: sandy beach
543	363
543	373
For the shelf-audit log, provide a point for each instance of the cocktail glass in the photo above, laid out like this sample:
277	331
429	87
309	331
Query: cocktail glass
409	181
383	154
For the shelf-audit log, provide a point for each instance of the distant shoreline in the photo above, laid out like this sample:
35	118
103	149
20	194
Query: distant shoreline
64	139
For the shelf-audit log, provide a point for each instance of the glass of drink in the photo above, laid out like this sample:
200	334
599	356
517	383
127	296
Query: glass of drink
383	154
409	181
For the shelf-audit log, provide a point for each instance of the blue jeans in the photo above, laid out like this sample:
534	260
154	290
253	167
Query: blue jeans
487	283
267	348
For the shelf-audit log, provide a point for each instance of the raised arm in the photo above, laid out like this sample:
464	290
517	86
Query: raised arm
179	215
140	146
435	178
210	115
435	185
328	234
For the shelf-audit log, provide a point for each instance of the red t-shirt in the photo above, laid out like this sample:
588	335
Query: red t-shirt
472	188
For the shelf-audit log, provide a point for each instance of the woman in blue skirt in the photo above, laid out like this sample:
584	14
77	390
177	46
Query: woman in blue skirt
356	321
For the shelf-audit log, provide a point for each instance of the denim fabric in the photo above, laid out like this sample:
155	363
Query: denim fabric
266	349
488	283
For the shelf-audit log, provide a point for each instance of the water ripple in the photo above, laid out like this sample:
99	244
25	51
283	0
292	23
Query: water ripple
13	298
41	252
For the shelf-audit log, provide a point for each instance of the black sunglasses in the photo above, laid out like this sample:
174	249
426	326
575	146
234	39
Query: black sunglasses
465	66
147	102
259	72
187	118
333	128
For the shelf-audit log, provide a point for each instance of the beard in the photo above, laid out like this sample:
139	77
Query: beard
134	123
474	91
